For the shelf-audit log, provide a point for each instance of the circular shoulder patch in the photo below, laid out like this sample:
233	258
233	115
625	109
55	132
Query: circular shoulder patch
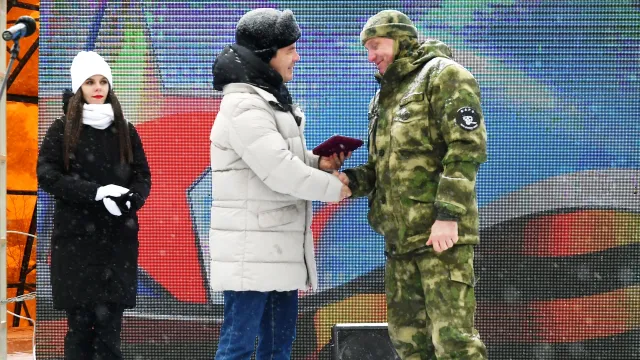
467	118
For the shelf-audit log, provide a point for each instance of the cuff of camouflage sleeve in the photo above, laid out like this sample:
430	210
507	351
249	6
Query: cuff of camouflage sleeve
353	182
446	216
450	207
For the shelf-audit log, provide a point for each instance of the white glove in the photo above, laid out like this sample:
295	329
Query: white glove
111	206
110	190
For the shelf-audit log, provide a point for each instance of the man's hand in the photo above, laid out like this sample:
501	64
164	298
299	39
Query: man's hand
345	192
343	177
444	234
333	162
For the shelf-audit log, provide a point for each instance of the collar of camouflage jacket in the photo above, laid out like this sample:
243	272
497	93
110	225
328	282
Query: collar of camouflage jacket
412	56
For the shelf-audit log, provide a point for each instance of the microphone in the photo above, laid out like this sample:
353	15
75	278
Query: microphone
25	26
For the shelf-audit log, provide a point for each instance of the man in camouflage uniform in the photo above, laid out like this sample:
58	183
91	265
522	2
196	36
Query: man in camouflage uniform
427	139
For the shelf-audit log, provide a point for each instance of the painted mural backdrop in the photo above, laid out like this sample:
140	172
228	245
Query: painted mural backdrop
559	260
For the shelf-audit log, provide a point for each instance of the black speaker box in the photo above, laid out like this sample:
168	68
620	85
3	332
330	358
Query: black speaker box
365	341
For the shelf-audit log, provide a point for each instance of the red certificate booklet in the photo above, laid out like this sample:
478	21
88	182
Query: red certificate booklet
337	144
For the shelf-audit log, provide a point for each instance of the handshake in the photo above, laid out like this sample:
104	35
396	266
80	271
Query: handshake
332	164
345	192
115	198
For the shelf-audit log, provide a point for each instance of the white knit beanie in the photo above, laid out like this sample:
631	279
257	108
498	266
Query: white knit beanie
85	65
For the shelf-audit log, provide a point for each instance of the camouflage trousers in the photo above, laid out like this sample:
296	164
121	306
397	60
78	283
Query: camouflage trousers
431	306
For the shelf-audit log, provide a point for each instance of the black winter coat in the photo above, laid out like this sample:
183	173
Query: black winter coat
94	255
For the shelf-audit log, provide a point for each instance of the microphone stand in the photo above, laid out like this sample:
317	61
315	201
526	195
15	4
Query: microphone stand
15	50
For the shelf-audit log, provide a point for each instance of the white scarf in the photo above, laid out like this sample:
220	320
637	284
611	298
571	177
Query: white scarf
98	116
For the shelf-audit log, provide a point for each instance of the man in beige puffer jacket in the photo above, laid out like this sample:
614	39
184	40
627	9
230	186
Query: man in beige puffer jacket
264	179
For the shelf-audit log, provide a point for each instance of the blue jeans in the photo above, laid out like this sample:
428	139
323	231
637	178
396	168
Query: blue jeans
271	316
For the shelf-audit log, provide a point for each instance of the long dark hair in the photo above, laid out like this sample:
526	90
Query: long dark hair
73	126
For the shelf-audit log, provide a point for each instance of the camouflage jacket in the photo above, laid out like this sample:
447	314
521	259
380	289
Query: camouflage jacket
427	138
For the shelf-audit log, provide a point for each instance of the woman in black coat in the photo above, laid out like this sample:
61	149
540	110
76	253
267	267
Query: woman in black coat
93	163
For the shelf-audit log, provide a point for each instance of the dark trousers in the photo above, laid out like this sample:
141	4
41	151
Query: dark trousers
271	316
94	332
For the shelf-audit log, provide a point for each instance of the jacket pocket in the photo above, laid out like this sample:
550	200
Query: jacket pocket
410	132
459	260
462	273
410	108
418	214
277	217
